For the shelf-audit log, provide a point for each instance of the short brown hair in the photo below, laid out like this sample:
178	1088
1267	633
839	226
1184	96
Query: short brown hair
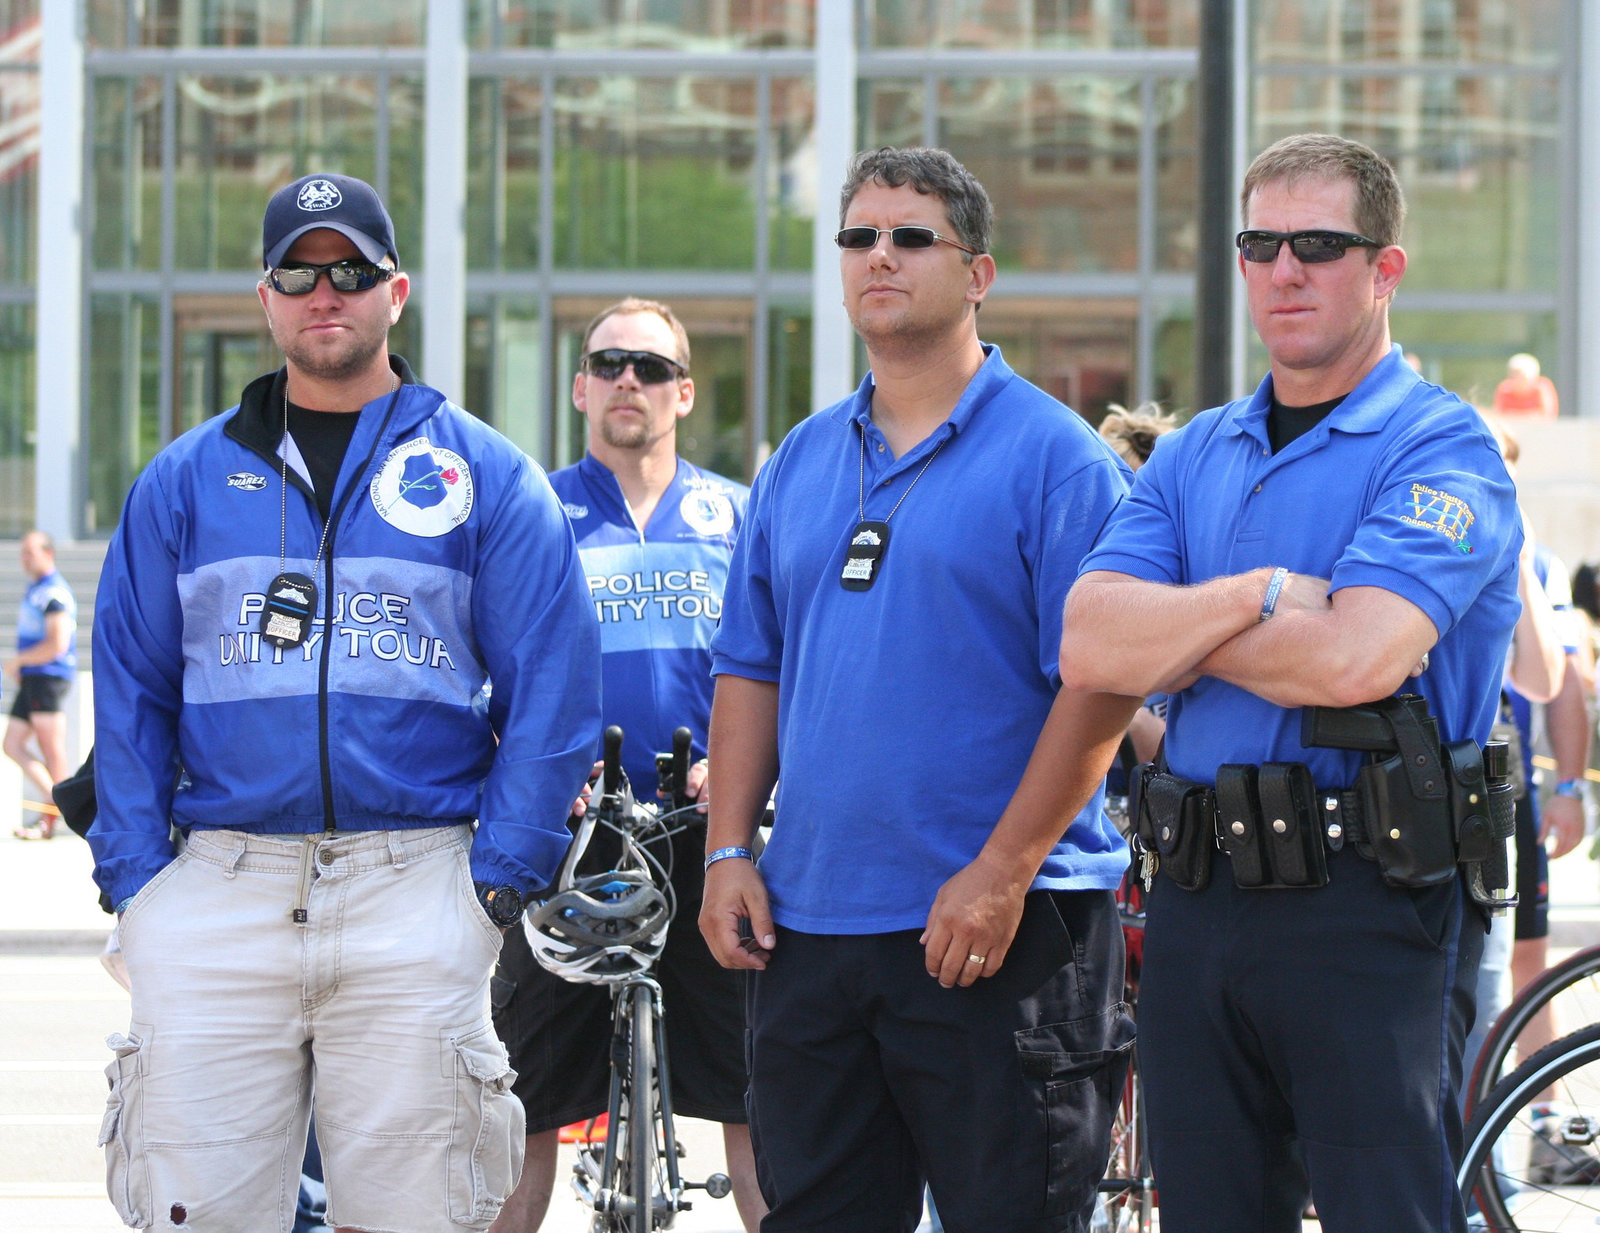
633	304
933	173
1380	209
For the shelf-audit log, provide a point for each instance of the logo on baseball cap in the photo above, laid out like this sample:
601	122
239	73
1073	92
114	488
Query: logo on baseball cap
340	203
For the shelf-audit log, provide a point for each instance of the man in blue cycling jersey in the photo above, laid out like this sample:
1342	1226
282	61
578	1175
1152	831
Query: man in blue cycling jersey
655	533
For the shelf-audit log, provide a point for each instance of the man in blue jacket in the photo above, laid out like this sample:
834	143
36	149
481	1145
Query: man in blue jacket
297	615
655	533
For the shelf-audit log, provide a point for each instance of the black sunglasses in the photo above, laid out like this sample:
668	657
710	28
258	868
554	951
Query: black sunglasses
1308	247
855	238
345	277
650	368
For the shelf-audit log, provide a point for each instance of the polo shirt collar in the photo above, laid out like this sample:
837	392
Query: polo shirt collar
1367	408
989	380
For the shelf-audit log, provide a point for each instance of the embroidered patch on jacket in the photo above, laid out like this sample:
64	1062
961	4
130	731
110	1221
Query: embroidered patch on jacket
423	489
1439	511
247	482
707	510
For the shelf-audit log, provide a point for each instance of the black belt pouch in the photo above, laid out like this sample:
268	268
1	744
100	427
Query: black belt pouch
1176	812
1289	828
1239	824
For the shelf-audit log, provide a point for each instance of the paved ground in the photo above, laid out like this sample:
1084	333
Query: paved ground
57	1005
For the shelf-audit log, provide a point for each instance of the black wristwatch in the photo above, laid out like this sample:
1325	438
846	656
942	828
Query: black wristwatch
502	903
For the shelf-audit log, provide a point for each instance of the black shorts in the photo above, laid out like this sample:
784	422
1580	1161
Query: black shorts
868	1077
1533	872
39	692
558	1033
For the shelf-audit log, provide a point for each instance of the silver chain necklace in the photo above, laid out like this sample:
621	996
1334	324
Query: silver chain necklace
870	540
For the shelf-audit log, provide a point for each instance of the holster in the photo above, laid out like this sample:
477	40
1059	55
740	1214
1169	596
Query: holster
1429	807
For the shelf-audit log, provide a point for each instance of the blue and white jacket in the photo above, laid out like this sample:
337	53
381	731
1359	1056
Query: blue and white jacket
657	593
447	561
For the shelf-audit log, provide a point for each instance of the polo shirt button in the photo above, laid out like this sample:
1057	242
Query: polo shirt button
880	447
1257	488
1266	452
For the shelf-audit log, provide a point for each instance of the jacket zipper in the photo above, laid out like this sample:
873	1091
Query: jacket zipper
325	758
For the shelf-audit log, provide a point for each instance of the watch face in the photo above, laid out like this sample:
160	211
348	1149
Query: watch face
503	904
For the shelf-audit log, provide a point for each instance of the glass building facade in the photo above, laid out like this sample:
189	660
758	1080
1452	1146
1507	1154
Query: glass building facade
542	158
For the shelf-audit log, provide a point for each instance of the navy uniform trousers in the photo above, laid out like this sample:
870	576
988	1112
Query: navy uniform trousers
1331	1018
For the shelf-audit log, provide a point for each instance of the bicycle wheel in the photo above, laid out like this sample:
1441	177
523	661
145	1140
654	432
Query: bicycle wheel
1532	1157
1127	1192
1571	989
637	1141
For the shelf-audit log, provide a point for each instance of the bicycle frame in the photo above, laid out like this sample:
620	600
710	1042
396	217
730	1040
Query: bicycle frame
632	1183
597	1177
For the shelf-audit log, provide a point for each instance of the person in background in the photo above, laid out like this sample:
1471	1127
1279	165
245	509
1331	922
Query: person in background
640	512
43	668
1525	391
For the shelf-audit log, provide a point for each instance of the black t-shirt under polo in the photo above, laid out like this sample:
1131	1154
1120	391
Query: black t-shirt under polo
1286	424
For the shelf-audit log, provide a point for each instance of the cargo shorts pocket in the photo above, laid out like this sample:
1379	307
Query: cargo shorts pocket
486	1136
1077	1070
127	1173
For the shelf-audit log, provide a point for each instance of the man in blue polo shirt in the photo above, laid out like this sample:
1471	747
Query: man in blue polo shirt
655	533
937	963
1345	533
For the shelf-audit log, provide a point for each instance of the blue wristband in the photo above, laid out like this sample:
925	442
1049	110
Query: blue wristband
725	854
1570	787
1274	586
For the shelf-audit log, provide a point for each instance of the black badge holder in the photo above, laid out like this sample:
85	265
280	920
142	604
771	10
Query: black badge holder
1239	823
1289	829
868	542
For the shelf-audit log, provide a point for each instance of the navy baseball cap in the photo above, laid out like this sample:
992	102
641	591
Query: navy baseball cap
340	203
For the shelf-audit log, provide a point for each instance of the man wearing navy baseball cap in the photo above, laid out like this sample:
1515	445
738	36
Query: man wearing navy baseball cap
299	610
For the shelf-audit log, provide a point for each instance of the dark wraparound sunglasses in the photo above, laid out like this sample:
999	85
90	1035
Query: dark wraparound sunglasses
855	238
650	368
1308	247
346	277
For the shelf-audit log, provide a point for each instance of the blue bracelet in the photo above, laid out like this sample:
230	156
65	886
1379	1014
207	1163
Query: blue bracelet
1274	586
724	854
1570	787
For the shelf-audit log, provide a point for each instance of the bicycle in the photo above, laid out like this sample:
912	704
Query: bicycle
1532	1150
1573	985
1127	1192
609	928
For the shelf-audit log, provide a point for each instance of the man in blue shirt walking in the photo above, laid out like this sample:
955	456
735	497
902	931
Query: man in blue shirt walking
655	534
936	958
43	668
1346	533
